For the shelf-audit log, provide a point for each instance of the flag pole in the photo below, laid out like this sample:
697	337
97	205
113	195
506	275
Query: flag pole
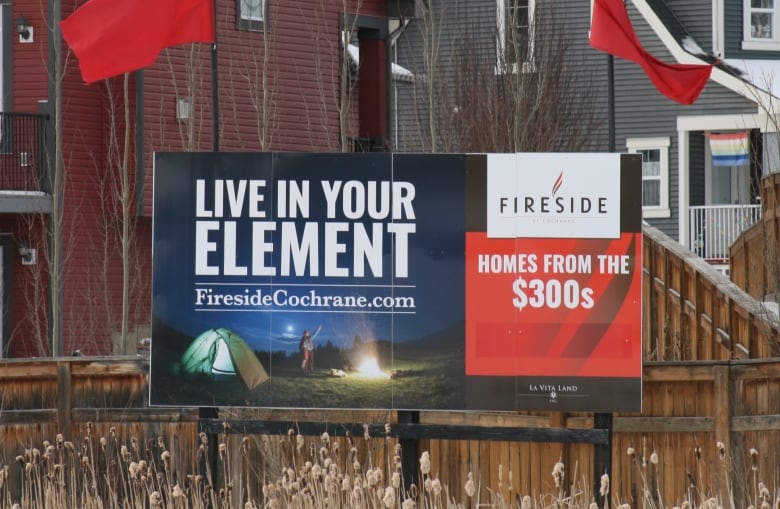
214	88
206	413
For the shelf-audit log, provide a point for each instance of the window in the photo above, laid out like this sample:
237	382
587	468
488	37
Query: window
655	174
515	19
251	14
760	25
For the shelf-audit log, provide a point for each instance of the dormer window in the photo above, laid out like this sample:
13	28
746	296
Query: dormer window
515	42
760	30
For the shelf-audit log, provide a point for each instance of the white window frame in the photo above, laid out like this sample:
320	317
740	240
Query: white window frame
249	21
662	144
528	64
749	40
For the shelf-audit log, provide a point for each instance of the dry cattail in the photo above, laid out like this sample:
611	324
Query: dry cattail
389	497
721	450
558	474
470	489
604	487
425	463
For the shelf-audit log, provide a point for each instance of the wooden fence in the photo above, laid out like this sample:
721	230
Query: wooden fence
755	255
711	395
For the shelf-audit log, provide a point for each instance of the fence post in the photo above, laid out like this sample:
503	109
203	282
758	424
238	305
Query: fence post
64	403
208	462
721	412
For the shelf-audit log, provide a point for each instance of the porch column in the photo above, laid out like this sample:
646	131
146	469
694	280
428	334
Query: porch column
373	79
683	193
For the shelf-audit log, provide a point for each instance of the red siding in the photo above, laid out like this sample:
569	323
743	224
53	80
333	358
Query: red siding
278	89
295	108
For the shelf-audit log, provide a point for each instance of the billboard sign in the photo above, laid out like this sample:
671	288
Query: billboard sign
398	281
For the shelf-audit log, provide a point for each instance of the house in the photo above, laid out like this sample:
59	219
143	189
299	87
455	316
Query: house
72	248
525	46
432	75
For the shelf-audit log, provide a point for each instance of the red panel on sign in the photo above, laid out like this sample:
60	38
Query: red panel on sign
553	306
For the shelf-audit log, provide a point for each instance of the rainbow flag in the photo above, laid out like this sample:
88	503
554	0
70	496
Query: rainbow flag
729	149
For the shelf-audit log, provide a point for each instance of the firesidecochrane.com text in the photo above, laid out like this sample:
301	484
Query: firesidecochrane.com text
291	299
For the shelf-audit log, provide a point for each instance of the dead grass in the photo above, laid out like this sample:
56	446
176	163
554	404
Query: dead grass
297	472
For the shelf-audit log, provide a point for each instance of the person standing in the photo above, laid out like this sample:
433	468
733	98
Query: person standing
307	349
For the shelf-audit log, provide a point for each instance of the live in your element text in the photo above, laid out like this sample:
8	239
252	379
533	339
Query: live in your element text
347	238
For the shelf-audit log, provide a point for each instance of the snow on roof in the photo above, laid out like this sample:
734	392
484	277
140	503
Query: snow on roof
764	74
399	72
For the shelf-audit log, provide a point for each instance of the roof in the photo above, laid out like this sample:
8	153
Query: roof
731	73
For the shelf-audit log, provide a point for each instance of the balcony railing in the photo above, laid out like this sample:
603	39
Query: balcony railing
22	160
713	228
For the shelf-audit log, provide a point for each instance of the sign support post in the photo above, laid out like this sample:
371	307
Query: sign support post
602	459
409	448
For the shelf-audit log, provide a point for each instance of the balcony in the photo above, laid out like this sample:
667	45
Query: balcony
713	228
23	163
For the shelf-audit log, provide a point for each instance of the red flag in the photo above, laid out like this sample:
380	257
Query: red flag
112	37
611	31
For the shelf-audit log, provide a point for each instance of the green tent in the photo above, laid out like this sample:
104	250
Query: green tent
222	353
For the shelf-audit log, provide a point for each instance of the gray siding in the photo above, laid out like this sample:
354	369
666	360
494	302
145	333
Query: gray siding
457	27
468	28
696	17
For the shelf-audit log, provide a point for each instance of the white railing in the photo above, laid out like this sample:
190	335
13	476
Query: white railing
715	227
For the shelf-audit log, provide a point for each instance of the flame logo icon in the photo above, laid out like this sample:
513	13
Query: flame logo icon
558	183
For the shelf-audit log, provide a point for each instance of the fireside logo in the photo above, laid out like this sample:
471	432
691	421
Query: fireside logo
523	201
558	183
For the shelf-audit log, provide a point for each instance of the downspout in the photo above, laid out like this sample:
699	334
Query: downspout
392	40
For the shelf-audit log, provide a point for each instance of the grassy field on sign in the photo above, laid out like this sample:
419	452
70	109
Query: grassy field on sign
430	381
422	378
